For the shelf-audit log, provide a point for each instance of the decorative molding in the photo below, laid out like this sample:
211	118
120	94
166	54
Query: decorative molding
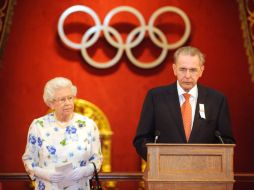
247	25
241	177
6	12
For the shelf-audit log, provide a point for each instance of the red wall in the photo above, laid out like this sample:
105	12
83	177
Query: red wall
35	54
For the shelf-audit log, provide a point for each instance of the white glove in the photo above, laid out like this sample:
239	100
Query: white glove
80	172
49	175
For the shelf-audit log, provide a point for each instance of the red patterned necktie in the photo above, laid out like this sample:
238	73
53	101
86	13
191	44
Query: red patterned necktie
187	115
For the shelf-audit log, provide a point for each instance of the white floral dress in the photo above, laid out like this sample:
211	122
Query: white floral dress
49	145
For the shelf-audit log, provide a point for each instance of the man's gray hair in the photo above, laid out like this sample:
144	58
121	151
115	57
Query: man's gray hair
189	50
55	84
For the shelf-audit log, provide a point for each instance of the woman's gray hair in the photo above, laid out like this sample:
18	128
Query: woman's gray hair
55	84
189	50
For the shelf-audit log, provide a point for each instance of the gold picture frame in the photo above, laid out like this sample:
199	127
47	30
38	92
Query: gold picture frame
6	12
246	9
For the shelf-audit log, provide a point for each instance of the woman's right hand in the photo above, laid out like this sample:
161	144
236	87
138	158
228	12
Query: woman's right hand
49	175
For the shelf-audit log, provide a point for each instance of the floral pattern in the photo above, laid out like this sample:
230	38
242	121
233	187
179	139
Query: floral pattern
41	185
49	145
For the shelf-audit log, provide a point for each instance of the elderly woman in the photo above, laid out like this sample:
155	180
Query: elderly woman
62	146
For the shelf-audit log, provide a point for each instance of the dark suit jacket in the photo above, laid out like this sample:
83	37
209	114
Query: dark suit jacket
161	112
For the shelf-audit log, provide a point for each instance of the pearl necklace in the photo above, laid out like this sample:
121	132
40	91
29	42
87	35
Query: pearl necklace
63	124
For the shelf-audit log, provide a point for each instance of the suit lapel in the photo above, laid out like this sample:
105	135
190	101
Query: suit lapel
172	100
196	124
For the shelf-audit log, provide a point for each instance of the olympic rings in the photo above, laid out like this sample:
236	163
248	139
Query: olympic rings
114	38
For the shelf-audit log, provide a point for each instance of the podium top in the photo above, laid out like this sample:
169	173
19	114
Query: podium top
192	145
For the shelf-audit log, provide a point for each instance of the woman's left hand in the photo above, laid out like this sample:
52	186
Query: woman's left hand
80	172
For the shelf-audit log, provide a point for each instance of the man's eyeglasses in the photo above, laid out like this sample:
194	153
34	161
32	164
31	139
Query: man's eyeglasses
192	71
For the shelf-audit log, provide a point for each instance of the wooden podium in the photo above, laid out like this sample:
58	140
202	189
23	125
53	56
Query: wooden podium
189	167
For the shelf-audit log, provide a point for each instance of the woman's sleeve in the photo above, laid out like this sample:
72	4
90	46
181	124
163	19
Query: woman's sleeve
30	157
96	154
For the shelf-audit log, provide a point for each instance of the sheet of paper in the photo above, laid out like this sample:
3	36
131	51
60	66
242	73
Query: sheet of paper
65	169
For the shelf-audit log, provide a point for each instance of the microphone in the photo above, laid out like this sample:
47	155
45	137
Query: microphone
218	135
157	134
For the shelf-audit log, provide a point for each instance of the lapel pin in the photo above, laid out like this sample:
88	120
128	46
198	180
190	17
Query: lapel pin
202	111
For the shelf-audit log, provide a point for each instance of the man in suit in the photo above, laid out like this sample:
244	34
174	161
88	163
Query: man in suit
166	108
